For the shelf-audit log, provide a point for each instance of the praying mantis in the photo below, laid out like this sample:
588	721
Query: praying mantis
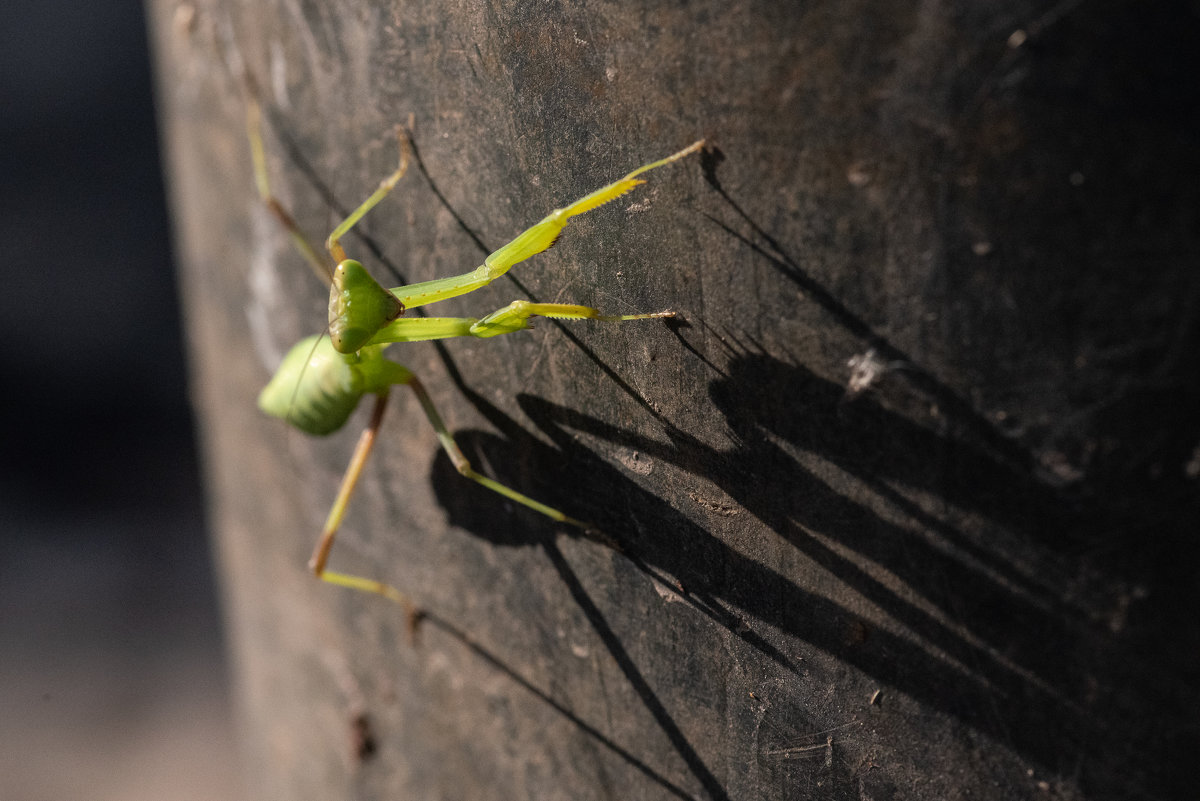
322	378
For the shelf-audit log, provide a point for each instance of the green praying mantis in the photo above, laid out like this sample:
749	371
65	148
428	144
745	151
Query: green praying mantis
322	378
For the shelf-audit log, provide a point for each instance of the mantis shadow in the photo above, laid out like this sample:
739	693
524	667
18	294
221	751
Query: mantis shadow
981	655
432	619
998	543
949	530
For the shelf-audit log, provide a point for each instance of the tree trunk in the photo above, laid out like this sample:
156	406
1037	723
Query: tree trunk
899	507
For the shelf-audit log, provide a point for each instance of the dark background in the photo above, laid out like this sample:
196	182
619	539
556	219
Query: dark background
111	675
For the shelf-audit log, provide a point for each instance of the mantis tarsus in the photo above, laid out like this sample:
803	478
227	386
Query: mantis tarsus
322	378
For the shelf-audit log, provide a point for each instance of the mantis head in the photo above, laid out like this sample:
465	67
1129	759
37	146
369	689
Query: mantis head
358	307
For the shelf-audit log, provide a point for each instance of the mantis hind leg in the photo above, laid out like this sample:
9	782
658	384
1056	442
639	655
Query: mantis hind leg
325	544
463	466
320	263
320	557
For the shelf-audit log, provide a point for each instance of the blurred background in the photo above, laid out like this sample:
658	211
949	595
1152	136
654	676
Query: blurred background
112	680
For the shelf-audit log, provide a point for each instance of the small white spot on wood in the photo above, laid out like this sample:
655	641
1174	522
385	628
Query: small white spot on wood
1192	468
640	206
184	20
858	175
865	370
279	86
637	462
716	507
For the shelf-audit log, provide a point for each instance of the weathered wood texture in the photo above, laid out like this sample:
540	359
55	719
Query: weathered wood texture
973	579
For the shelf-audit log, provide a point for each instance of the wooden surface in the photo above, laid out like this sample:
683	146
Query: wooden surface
970	579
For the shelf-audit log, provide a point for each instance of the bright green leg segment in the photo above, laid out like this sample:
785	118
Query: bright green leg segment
513	317
420	329
529	243
365	585
333	243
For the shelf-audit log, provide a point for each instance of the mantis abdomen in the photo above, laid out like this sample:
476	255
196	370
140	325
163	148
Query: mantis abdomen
315	389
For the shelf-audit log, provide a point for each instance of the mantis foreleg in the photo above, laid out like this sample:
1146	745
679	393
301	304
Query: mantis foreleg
513	317
529	242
